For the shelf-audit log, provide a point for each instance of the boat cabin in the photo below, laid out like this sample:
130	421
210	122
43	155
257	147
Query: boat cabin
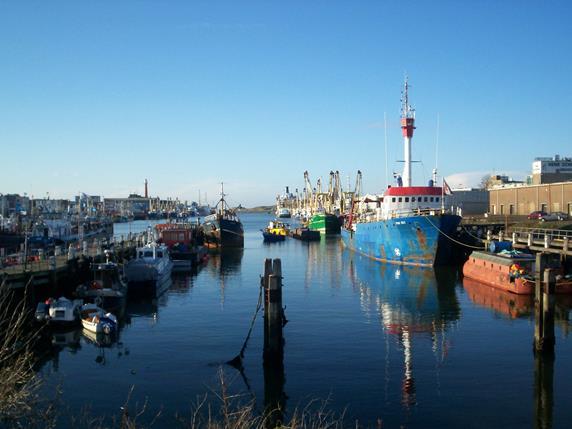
398	201
152	251
105	275
172	234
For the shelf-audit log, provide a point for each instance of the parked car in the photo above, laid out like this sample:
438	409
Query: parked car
561	215
549	216
538	215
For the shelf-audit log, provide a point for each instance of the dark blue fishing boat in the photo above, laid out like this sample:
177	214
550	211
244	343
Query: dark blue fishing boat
223	229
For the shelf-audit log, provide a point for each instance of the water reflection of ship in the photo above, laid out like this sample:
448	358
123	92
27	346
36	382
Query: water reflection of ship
51	343
148	309
324	261
228	261
103	342
409	302
184	281
501	301
225	263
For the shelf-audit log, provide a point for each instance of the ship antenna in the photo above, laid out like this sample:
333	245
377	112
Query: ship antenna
437	150
385	135
222	196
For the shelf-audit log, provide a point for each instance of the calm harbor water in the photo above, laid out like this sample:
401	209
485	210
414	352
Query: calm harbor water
412	347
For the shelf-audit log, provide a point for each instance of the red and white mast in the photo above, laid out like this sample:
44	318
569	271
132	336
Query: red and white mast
407	127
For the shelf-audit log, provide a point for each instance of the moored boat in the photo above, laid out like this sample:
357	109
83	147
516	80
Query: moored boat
183	242
108	287
61	311
305	234
150	271
96	320
283	212
510	271
325	223
223	229
275	231
408	224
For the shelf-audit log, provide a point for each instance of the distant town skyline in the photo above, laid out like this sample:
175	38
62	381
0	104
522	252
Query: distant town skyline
98	97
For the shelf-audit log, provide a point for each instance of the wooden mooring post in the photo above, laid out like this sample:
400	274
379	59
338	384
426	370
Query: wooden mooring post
273	356
544	300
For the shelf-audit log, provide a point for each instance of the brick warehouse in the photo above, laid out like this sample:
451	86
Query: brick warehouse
521	200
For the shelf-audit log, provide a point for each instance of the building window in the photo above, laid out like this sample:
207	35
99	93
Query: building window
493	209
511	209
502	209
570	208
543	207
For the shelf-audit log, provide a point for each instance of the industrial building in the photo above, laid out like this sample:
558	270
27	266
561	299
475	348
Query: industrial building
522	200
551	170
471	201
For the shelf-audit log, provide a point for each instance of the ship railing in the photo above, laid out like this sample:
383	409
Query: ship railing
416	212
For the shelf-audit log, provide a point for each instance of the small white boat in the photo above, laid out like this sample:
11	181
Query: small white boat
96	320
59	311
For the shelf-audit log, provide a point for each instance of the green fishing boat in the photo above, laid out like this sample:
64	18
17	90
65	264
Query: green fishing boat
325	223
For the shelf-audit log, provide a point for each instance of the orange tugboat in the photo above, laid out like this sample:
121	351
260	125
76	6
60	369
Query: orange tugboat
513	272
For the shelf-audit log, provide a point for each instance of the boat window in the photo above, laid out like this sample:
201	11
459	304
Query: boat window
148	254
425	199
437	199
400	199
406	199
159	254
431	199
412	199
393	200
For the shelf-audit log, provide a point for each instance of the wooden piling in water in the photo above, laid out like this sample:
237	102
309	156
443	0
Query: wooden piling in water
273	320
544	300
274	378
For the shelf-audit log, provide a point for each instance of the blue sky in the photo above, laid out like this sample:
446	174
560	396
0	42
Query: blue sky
97	96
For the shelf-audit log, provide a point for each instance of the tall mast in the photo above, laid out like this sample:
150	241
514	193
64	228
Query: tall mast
407	127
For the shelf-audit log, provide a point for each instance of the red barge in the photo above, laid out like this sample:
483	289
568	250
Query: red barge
510	272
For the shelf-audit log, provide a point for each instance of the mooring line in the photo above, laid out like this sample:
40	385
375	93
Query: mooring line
452	239
238	358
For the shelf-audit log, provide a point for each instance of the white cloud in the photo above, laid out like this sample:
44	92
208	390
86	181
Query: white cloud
472	179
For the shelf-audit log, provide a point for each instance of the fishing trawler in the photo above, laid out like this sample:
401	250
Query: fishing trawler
408	224
223	228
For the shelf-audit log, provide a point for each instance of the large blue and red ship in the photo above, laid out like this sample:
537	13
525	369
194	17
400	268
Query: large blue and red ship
406	224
